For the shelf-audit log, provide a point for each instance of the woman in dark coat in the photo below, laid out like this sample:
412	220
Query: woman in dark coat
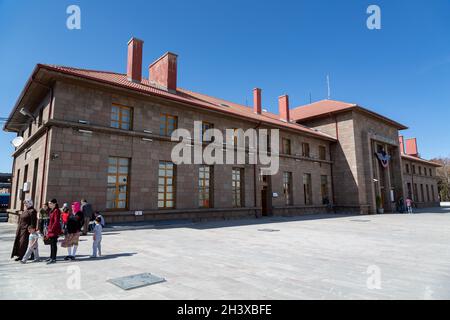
26	219
54	229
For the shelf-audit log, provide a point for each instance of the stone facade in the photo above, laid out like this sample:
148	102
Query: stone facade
68	149
77	161
420	176
356	172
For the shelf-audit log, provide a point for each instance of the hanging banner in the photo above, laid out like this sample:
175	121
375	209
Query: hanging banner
384	158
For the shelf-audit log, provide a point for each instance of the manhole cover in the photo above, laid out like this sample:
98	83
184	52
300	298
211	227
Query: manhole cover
360	220
136	281
268	230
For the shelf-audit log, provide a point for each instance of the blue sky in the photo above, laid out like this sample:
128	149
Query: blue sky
226	48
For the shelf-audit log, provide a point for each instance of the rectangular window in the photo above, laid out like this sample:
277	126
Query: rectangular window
34	183
25	177
416	194
432	193
420	170
287	187
17	189
409	190
117	191
322	153
307	188
407	168
121	117
166	185
324	189
428	192
305	149
237	180
167	124
285	146
205	186
430	173
413	169
206	126
422	193
41	117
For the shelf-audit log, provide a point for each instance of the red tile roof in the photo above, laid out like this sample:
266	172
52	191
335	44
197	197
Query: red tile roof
185	96
325	107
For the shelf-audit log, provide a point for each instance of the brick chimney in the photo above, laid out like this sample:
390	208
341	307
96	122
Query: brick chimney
401	142
257	101
411	147
164	71
283	108
134	63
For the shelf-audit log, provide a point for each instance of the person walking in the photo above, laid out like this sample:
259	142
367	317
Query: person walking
409	204
26	219
54	229
43	217
33	245
86	208
74	223
97	237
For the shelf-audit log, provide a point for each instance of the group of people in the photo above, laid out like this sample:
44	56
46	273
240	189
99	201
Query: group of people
52	222
405	205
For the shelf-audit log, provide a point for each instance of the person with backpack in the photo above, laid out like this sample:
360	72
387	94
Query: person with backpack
64	217
54	230
74	223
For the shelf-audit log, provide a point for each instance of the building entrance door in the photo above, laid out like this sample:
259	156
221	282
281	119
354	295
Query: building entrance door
264	192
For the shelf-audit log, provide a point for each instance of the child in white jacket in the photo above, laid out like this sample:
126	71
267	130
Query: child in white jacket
32	245
97	237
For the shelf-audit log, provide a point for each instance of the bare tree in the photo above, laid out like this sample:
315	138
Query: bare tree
443	174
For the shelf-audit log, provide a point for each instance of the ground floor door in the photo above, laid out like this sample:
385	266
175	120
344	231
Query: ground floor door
264	199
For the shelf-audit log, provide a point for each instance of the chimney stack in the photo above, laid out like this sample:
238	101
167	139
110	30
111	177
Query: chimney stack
411	147
257	101
283	108
164	71
401	141
134	63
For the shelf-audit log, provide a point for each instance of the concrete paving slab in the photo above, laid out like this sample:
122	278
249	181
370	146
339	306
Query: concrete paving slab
389	256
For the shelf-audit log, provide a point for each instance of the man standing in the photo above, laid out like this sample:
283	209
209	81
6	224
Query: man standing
86	208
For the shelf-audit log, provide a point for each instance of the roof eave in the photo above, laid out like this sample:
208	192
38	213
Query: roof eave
20	98
399	126
318	135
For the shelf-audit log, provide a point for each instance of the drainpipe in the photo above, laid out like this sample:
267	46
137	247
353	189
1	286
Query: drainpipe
332	179
254	179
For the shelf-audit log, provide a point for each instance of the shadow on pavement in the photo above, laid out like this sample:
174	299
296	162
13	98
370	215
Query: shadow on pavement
86	258
222	223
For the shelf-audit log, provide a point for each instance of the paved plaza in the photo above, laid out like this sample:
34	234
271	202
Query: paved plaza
389	256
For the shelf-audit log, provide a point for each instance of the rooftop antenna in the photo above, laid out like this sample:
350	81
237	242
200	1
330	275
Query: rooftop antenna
328	86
